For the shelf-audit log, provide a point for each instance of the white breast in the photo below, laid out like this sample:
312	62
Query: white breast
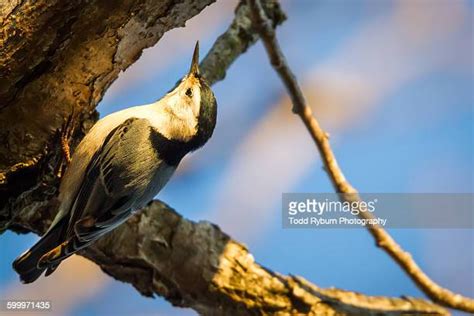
162	116
93	140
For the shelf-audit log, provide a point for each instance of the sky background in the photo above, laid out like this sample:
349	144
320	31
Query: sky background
391	81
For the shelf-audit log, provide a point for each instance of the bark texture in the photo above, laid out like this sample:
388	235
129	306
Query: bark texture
197	265
57	56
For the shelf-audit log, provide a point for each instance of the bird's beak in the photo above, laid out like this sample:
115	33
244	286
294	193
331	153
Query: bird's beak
195	63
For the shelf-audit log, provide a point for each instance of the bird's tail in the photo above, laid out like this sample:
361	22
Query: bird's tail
27	265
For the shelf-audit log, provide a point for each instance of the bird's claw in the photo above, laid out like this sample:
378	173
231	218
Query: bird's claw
66	132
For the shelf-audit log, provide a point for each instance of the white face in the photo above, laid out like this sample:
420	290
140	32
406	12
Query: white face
190	94
185	100
182	106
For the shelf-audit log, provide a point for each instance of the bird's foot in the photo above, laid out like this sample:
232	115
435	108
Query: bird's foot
53	255
66	132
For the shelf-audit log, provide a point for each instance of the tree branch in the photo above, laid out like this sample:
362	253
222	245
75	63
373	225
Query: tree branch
236	40
197	265
341	185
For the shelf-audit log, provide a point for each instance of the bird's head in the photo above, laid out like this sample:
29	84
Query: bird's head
193	102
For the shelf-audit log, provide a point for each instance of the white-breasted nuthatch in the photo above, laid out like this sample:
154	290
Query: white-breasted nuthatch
120	165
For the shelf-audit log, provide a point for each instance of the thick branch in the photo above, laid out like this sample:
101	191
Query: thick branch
197	265
341	185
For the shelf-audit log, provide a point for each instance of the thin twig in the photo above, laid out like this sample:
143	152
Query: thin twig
342	186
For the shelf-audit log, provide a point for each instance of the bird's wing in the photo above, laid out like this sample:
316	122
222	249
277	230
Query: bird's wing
116	181
123	174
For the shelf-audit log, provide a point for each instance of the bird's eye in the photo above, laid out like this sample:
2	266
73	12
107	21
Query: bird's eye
189	92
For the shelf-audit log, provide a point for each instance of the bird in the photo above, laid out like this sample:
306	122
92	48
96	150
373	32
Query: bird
120	165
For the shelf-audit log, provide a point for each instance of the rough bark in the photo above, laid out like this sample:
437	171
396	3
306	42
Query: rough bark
197	265
57	56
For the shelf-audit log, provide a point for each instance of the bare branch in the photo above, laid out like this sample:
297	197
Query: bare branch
341	185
